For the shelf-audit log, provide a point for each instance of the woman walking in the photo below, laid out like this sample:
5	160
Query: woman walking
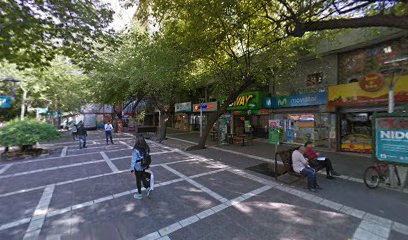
139	151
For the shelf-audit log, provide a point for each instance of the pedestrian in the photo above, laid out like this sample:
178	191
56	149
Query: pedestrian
315	160
301	165
73	127
108	132
140	150
82	134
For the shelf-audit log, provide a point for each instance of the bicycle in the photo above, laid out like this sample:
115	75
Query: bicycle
378	173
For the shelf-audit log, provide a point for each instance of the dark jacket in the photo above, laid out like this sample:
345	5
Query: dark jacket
81	131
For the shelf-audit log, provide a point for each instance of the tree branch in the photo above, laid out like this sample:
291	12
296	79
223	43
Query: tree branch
371	21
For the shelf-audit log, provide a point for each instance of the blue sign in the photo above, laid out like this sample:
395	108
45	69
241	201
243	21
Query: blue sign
310	99
5	102
392	145
42	110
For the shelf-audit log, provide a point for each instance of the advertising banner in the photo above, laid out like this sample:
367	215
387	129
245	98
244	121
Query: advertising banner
248	100
5	102
222	130
274	126
184	107
310	99
391	139
371	90
207	107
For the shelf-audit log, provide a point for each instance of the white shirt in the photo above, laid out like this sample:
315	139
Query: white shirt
298	161
108	127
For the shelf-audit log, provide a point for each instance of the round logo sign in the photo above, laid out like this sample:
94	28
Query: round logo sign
372	82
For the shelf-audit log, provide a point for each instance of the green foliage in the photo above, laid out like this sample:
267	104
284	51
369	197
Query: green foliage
32	33
60	87
27	132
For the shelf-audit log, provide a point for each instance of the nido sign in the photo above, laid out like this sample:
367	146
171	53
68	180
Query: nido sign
391	139
372	82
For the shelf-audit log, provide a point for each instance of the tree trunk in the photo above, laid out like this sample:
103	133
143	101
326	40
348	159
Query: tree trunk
164	116
25	92
214	117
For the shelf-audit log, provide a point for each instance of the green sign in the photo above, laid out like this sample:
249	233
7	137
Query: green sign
391	138
247	101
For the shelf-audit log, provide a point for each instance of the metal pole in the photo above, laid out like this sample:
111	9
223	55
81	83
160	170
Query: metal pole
201	120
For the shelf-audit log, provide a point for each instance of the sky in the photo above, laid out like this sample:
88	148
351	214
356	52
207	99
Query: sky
122	17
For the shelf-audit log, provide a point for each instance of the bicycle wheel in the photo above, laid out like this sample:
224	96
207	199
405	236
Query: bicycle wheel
371	177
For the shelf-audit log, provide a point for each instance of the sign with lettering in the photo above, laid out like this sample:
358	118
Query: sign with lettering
5	102
182	107
206	107
372	82
300	100
248	101
391	139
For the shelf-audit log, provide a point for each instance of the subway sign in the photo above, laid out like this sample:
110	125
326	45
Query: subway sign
247	101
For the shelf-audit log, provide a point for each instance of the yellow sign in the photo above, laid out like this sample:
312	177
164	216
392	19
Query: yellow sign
242	100
352	94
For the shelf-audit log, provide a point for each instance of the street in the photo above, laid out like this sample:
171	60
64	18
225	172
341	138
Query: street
206	194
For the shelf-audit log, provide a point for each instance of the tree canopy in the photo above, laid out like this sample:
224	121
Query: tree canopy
33	32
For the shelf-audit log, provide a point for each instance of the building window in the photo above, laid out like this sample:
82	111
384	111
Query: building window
314	79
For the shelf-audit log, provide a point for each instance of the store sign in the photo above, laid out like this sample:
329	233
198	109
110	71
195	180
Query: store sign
352	94
5	102
391	143
247	100
372	82
300	100
206	107
182	107
42	110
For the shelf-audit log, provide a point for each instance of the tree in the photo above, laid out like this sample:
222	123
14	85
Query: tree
228	44
143	67
33	32
242	41
58	87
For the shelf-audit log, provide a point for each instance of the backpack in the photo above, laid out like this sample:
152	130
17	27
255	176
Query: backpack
146	160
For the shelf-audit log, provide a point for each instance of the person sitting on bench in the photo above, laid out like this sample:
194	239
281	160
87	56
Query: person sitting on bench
300	165
316	160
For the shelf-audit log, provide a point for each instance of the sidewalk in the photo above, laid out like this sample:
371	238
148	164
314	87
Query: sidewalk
348	164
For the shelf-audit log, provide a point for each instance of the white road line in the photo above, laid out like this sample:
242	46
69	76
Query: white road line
348	178
87	178
371	231
50	169
196	184
109	162
127	145
94	142
402	228
99	200
37	220
73	155
164	232
64	152
5	168
71	142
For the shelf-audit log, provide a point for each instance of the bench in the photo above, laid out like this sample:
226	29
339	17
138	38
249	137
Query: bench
286	157
240	140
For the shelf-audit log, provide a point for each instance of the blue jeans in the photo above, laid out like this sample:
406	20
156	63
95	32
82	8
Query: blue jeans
82	141
108	135
311	176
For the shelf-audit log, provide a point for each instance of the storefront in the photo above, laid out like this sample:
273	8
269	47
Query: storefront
206	108
304	118
182	115
366	75
250	114
356	102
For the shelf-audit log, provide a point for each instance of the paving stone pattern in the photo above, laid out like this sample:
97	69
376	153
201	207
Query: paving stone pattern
204	194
